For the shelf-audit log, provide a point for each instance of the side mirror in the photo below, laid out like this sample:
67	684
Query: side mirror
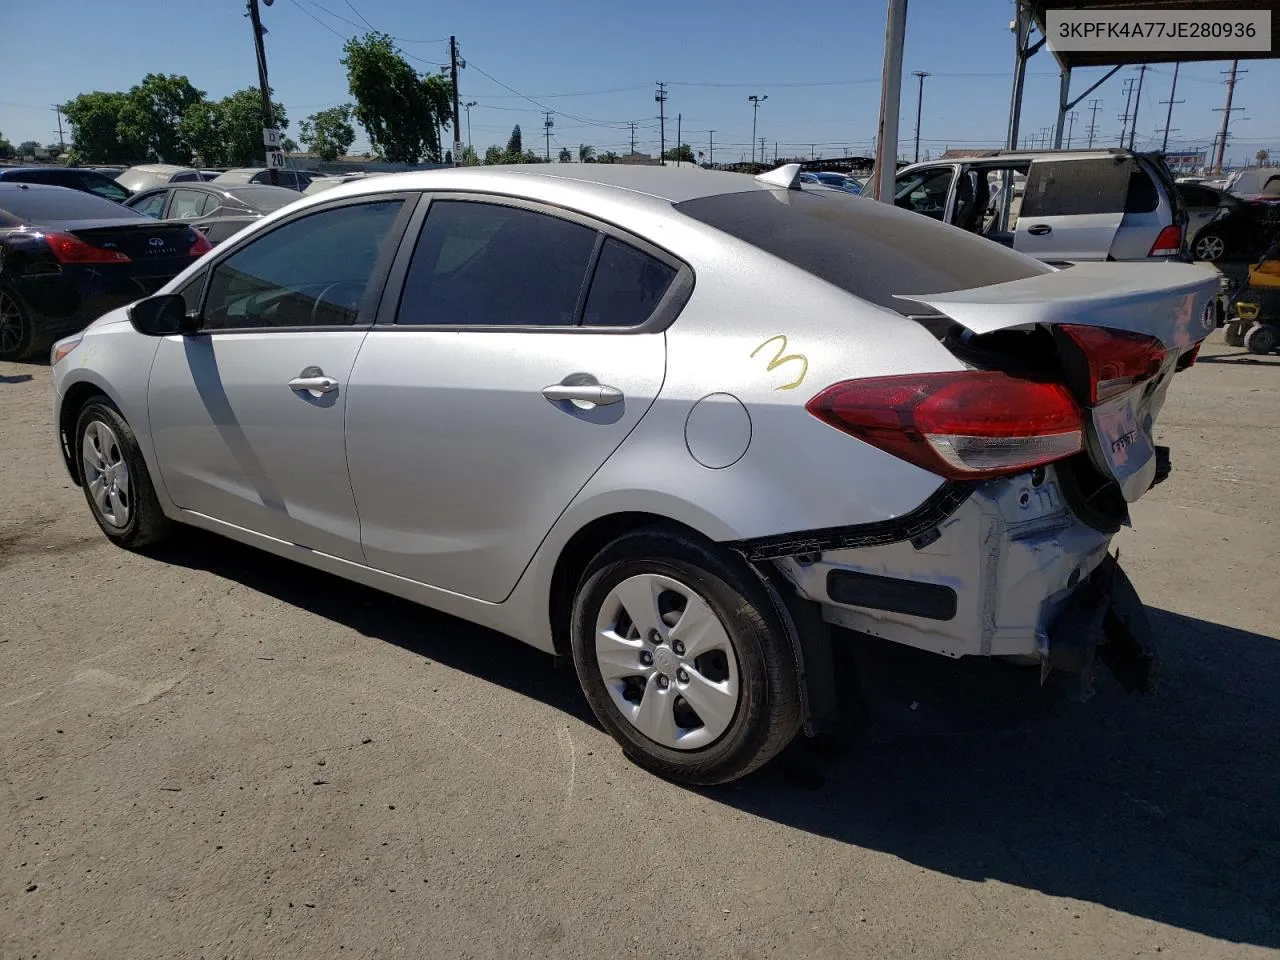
161	316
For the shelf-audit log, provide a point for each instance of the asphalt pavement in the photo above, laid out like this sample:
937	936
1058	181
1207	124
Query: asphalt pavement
211	752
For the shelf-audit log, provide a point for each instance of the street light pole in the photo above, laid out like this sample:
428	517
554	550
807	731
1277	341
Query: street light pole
468	107
755	111
919	75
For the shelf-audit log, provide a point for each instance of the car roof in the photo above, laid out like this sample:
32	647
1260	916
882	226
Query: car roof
6	171
998	155
674	184
157	168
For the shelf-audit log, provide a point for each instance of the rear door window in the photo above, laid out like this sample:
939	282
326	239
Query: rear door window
488	264
626	287
1065	188
188	204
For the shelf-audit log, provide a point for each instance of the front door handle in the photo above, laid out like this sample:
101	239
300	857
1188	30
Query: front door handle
313	380
595	394
1040	229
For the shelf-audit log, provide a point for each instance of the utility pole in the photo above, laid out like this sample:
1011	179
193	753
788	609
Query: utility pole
268	121
457	120
1168	117
756	99
1226	112
1094	107
886	164
632	125
467	107
547	124
1071	125
775	153
1137	105
679	118
1128	99
661	97
711	149
919	75
62	146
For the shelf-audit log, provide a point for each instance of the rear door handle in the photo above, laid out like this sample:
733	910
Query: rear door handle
1040	229
317	384
596	394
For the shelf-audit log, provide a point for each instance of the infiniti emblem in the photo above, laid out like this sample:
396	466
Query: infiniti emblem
156	241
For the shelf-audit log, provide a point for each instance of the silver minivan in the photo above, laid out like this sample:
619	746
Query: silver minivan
1056	205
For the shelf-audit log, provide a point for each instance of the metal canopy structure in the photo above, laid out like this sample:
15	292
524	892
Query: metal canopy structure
1031	17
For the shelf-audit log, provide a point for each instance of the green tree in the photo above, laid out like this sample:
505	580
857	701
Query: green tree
400	110
607	157
683	153
28	148
530	156
6	148
149	121
95	128
565	155
494	155
515	145
469	158
228	133
1262	157
329	133
586	153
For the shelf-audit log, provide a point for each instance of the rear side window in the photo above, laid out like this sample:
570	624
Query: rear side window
485	264
867	248
626	287
189	203
1066	188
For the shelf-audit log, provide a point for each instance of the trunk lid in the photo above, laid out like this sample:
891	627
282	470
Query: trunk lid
1172	303
154	248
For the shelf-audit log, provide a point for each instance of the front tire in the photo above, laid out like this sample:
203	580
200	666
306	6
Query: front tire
683	658
114	476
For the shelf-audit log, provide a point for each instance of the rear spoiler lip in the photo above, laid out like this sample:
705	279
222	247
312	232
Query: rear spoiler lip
1174	302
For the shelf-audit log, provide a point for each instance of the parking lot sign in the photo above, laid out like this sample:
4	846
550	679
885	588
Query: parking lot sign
271	137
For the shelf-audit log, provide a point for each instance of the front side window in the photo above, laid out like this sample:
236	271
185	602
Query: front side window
151	204
313	271
924	192
483	264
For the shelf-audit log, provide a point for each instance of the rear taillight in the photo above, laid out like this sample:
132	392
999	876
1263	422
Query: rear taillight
67	248
1107	363
964	426
1169	243
200	244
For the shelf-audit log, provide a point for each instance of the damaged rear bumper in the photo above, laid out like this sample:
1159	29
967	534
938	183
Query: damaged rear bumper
1009	572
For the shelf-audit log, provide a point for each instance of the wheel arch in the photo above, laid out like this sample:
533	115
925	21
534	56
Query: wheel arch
73	401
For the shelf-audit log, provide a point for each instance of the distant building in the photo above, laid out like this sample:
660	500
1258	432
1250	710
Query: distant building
641	159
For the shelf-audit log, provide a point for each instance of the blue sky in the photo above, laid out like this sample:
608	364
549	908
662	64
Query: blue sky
596	65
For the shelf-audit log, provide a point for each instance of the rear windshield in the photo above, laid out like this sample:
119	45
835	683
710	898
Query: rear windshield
62	203
870	249
263	198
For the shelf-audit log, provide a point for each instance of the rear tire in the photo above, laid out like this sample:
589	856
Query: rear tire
114	476
1261	338
17	332
1233	333
1210	247
661	619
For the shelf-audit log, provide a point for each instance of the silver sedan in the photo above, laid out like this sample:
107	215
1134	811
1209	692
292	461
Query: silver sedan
686	428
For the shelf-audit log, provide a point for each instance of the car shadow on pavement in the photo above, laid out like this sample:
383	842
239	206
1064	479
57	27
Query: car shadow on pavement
1165	807
16	378
490	656
1244	358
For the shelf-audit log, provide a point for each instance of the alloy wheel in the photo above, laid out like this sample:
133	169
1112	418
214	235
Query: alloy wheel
1210	248
667	661
106	475
10	325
